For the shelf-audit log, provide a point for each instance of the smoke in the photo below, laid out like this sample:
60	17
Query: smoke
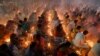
9	8
28	6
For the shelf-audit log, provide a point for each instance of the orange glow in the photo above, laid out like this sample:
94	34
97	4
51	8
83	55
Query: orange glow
49	31
6	37
7	40
78	52
67	37
50	18
26	43
63	23
50	15
90	43
49	45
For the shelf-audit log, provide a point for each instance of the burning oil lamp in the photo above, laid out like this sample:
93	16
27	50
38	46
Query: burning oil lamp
49	45
7	40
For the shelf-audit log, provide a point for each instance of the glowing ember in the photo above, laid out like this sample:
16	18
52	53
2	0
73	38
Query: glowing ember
90	43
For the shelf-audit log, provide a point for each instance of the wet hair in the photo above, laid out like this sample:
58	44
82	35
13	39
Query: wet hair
25	19
20	21
67	16
75	21
13	35
85	32
98	41
78	27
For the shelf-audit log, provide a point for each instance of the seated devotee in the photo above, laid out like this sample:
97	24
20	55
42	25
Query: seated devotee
25	24
65	49
5	50
79	39
19	16
80	43
33	18
75	30
70	28
31	28
20	44
13	43
95	50
22	26
11	26
19	30
2	30
13	39
37	47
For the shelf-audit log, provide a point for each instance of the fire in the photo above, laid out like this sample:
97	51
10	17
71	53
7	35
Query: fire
90	43
50	18
68	37
7	40
49	45
64	24
26	43
49	31
78	52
